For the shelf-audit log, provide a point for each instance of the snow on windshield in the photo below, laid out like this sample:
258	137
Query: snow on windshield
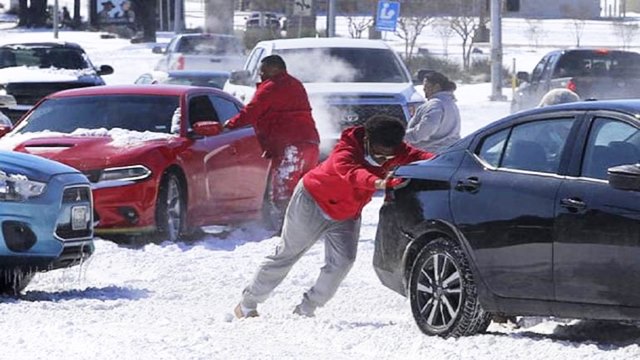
37	74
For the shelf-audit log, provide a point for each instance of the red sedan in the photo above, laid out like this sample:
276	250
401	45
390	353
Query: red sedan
157	156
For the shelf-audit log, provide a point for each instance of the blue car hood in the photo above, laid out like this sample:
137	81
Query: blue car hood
34	167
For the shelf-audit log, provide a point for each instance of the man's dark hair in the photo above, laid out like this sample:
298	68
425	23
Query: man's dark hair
275	61
384	130
435	77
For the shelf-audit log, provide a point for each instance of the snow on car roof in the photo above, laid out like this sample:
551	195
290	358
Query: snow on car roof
306	43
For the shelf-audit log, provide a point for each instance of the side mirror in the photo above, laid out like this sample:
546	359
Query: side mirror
158	50
522	76
240	77
625	177
207	128
4	129
105	70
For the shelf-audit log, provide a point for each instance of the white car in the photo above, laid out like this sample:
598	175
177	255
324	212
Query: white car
348	80
201	51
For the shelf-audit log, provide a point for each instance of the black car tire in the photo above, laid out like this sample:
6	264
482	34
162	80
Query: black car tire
445	302
171	208
12	282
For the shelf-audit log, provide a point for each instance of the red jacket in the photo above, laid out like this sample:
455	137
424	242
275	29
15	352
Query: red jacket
280	114
344	183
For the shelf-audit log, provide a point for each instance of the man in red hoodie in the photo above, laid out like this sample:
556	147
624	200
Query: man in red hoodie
327	204
281	116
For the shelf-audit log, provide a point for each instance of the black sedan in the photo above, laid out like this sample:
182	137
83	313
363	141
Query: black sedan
535	214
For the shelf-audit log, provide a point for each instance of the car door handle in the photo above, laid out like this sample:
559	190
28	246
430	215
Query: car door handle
573	204
215	60
471	184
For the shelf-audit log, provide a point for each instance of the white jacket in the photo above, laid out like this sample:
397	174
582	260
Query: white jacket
436	123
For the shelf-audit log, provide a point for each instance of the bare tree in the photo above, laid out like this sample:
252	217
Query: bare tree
443	28
535	32
358	25
408	29
626	31
465	24
579	16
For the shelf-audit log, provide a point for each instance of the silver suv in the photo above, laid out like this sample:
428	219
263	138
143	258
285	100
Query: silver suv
348	80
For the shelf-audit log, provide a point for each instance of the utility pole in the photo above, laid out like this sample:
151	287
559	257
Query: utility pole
56	18
178	16
331	18
496	52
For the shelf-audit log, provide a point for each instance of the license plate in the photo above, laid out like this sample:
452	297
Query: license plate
79	217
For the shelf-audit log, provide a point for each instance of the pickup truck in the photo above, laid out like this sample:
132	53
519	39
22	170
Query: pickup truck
591	73
347	80
201	51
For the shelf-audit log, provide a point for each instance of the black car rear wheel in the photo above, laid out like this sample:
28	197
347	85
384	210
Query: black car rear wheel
442	292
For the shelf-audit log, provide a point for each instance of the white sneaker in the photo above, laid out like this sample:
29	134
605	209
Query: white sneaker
303	310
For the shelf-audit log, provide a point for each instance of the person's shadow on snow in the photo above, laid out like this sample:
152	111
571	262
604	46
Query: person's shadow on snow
92	293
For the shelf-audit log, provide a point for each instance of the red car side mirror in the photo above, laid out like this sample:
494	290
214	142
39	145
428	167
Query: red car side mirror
207	128
4	129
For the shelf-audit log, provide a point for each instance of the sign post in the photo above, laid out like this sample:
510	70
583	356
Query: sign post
387	15
301	8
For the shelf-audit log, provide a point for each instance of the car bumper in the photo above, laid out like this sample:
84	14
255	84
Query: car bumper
36	232
125	207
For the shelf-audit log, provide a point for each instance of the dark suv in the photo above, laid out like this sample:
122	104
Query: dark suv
536	214
56	65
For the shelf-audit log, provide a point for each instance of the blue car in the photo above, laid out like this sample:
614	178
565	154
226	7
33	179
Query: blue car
46	218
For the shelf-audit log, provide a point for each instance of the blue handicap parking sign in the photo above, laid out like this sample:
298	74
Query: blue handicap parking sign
387	15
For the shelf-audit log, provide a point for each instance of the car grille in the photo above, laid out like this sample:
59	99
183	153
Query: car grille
80	195
352	115
31	93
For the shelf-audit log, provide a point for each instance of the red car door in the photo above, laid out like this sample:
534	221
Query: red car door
251	168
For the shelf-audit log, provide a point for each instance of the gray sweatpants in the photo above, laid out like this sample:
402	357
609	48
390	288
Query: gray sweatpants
305	223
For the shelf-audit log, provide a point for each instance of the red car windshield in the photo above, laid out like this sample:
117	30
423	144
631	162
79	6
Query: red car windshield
130	112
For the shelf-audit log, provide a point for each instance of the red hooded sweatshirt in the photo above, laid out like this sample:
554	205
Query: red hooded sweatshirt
280	114
344	183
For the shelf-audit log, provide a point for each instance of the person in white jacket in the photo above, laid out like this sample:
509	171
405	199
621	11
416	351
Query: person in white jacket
436	123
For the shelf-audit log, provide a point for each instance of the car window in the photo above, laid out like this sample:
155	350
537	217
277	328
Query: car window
598	63
209	45
537	146
365	65
610	143
131	112
201	109
43	57
536	74
252	62
493	147
144	79
226	109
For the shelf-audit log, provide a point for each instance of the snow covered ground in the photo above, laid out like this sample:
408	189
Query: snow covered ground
174	301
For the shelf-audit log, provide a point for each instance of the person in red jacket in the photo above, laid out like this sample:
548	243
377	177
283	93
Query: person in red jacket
281	116
327	204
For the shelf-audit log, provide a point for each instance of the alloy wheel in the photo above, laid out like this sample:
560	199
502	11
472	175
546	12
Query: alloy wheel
439	291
